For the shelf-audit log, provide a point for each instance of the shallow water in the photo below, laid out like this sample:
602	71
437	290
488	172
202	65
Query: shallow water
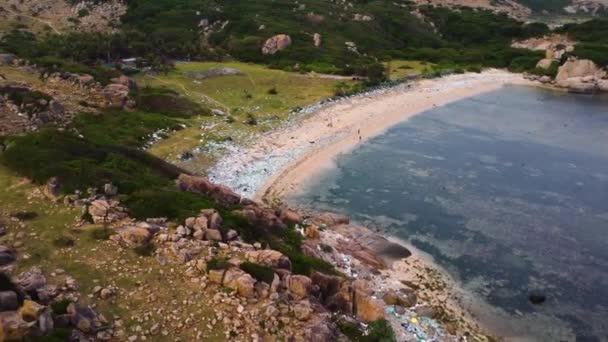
508	191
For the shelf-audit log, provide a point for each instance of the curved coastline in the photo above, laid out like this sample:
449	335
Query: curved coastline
366	117
291	156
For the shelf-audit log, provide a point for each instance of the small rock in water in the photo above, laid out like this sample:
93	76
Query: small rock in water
537	299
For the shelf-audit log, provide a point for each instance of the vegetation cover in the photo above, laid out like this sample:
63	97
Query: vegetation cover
593	38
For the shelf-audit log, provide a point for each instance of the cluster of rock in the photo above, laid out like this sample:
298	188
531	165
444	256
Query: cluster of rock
30	306
582	75
30	114
577	75
555	47
58	98
276	302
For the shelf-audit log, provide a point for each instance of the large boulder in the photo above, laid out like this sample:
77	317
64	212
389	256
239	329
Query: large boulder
116	96
7	58
13	327
125	81
84	318
579	68
299	286
290	216
302	310
401	298
240	281
7	255
103	211
329	285
366	307
275	44
544	63
321	329
262	218
135	235
270	258
32	280
330	219
9	301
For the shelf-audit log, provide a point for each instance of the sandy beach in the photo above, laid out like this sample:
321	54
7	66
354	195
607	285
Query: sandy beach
280	161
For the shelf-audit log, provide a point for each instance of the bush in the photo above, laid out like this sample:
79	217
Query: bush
259	272
378	331
145	250
217	264
168	102
381	331
61	307
64	242
159	202
101	233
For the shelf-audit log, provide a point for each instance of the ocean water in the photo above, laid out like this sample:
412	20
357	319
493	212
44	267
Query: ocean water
507	191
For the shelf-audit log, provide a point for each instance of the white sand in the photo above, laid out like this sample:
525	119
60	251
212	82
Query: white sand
279	162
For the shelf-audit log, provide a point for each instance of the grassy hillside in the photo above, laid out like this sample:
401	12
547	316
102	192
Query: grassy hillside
354	39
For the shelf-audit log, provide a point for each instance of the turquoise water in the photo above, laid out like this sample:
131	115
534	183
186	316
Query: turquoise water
508	191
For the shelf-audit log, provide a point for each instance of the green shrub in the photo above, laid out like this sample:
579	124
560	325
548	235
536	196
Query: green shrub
101	233
381	331
377	331
83	12
159	202
168	102
145	250
259	272
217	264
61	307
64	242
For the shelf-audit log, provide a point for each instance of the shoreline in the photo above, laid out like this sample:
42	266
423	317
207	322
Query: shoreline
279	162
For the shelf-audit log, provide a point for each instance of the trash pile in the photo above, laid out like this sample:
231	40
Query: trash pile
408	326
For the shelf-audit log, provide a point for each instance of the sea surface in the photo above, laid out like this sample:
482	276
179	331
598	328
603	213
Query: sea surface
507	191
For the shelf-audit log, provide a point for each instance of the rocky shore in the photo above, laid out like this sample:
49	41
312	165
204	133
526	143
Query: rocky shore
361	280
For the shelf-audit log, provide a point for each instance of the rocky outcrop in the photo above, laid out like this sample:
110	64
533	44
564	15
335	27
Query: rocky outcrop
200	185
106	211
262	218
7	255
125	81
7	58
117	96
275	44
270	258
299	286
545	63
207	226
581	75
329	219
